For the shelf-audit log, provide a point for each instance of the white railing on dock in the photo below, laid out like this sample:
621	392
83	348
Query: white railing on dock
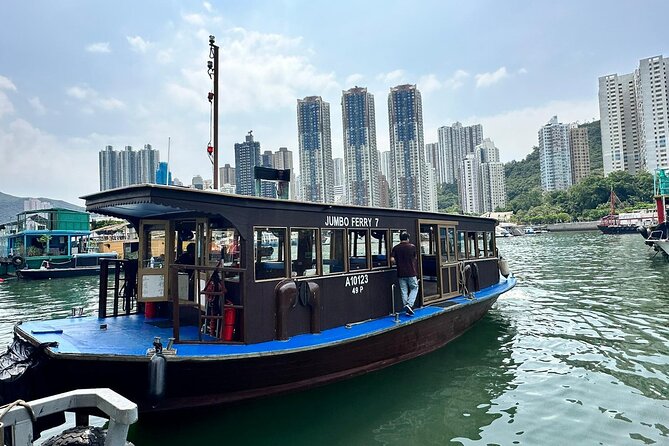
120	411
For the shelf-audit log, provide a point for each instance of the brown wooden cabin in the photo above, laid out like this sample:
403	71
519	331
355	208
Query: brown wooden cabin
336	258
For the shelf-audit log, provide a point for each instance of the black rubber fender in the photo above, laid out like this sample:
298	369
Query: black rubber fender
18	261
80	436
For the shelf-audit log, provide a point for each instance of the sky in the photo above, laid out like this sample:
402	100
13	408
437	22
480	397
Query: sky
76	76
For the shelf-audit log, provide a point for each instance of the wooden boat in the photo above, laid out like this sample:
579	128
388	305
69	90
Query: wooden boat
625	223
48	243
301	294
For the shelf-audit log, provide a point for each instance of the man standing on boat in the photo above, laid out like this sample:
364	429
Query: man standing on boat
404	256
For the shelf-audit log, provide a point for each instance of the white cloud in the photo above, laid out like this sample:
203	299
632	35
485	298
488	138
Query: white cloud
93	99
207	6
98	47
488	79
515	131
6	84
522	71
429	83
392	78
6	106
354	79
165	56
194	19
37	105
138	44
457	80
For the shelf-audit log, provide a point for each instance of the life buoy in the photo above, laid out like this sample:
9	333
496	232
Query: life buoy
18	261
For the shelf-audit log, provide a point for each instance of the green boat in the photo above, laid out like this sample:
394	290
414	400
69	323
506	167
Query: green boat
53	239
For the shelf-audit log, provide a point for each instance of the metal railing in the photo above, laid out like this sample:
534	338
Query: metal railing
120	411
124	287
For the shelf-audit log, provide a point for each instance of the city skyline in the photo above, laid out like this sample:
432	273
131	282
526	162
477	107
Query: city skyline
142	76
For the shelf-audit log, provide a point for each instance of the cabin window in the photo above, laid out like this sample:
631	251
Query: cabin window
303	252
379	248
226	245
357	248
451	244
154	246
471	245
462	245
332	249
395	236
480	246
269	253
443	244
490	243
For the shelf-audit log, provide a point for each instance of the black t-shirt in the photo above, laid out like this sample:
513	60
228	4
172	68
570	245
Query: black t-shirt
405	259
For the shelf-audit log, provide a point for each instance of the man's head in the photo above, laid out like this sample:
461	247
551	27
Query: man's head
404	237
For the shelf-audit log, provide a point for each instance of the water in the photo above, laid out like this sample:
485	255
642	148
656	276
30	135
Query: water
577	353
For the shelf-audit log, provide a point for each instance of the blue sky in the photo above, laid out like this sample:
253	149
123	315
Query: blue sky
77	75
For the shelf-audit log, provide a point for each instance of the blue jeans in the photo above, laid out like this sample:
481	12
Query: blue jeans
409	289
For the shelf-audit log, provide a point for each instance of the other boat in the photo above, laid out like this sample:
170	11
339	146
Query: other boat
245	319
624	223
48	243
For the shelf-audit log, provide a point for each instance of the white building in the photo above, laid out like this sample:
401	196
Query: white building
554	156
470	185
580	152
491	175
634	118
455	142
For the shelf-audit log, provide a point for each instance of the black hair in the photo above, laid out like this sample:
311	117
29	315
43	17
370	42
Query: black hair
404	236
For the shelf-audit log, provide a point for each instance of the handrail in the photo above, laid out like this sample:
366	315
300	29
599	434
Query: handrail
129	286
120	411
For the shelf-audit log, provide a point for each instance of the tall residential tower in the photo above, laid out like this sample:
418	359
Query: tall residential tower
315	149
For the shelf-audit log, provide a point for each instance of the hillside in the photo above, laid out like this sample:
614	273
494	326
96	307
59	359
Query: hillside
11	205
595	143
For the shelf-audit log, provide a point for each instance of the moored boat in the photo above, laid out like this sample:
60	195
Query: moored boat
48	243
625	223
250	318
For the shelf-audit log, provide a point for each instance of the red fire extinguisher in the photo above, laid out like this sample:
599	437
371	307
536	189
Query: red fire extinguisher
229	316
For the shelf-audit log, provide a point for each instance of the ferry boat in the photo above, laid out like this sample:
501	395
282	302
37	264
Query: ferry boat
48	243
250	318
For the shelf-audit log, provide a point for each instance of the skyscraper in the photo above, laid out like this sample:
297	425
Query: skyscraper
409	179
493	181
147	162
283	159
634	119
470	184
455	142
432	156
580	152
127	167
360	154
339	180
267	188
163	175
227	175
247	156
555	156
619	123
315	148
107	161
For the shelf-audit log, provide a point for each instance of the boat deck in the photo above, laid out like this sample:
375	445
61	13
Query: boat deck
131	336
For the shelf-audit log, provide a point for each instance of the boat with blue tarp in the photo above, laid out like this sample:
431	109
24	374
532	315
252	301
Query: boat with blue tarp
211	313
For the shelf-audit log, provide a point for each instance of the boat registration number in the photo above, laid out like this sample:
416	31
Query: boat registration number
357	282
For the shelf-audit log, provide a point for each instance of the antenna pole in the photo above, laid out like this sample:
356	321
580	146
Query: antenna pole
167	174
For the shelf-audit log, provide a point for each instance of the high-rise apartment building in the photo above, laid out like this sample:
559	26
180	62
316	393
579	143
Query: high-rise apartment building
267	188
455	142
385	163
283	159
163	175
360	155
493	180
580	153
470	184
634	118
315	149
432	156
247	156
227	175
652	92
107	161
555	156
619	123
127	167
409	180
147	163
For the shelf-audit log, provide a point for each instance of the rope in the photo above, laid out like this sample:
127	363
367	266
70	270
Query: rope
6	408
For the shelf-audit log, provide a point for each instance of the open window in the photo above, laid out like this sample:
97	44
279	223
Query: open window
270	253
379	248
357	248
303	252
333	251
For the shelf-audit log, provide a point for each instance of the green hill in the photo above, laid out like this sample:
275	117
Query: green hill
11	205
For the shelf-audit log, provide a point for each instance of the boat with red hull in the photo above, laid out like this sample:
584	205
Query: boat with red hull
278	296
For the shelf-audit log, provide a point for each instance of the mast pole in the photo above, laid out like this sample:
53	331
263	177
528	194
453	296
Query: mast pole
213	54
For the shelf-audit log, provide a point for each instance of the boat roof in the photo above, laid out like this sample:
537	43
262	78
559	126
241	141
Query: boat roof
160	201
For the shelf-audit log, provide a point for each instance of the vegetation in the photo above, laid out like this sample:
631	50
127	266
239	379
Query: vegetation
448	198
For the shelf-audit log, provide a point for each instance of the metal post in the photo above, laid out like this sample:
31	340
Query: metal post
215	154
392	297
102	297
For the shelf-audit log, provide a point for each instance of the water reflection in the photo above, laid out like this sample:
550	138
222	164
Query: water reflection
423	401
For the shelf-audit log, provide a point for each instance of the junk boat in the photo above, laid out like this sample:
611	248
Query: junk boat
625	223
235	297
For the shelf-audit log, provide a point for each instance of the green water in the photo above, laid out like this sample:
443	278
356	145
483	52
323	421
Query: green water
577	354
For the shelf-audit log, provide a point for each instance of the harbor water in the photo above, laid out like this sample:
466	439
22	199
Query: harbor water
576	354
